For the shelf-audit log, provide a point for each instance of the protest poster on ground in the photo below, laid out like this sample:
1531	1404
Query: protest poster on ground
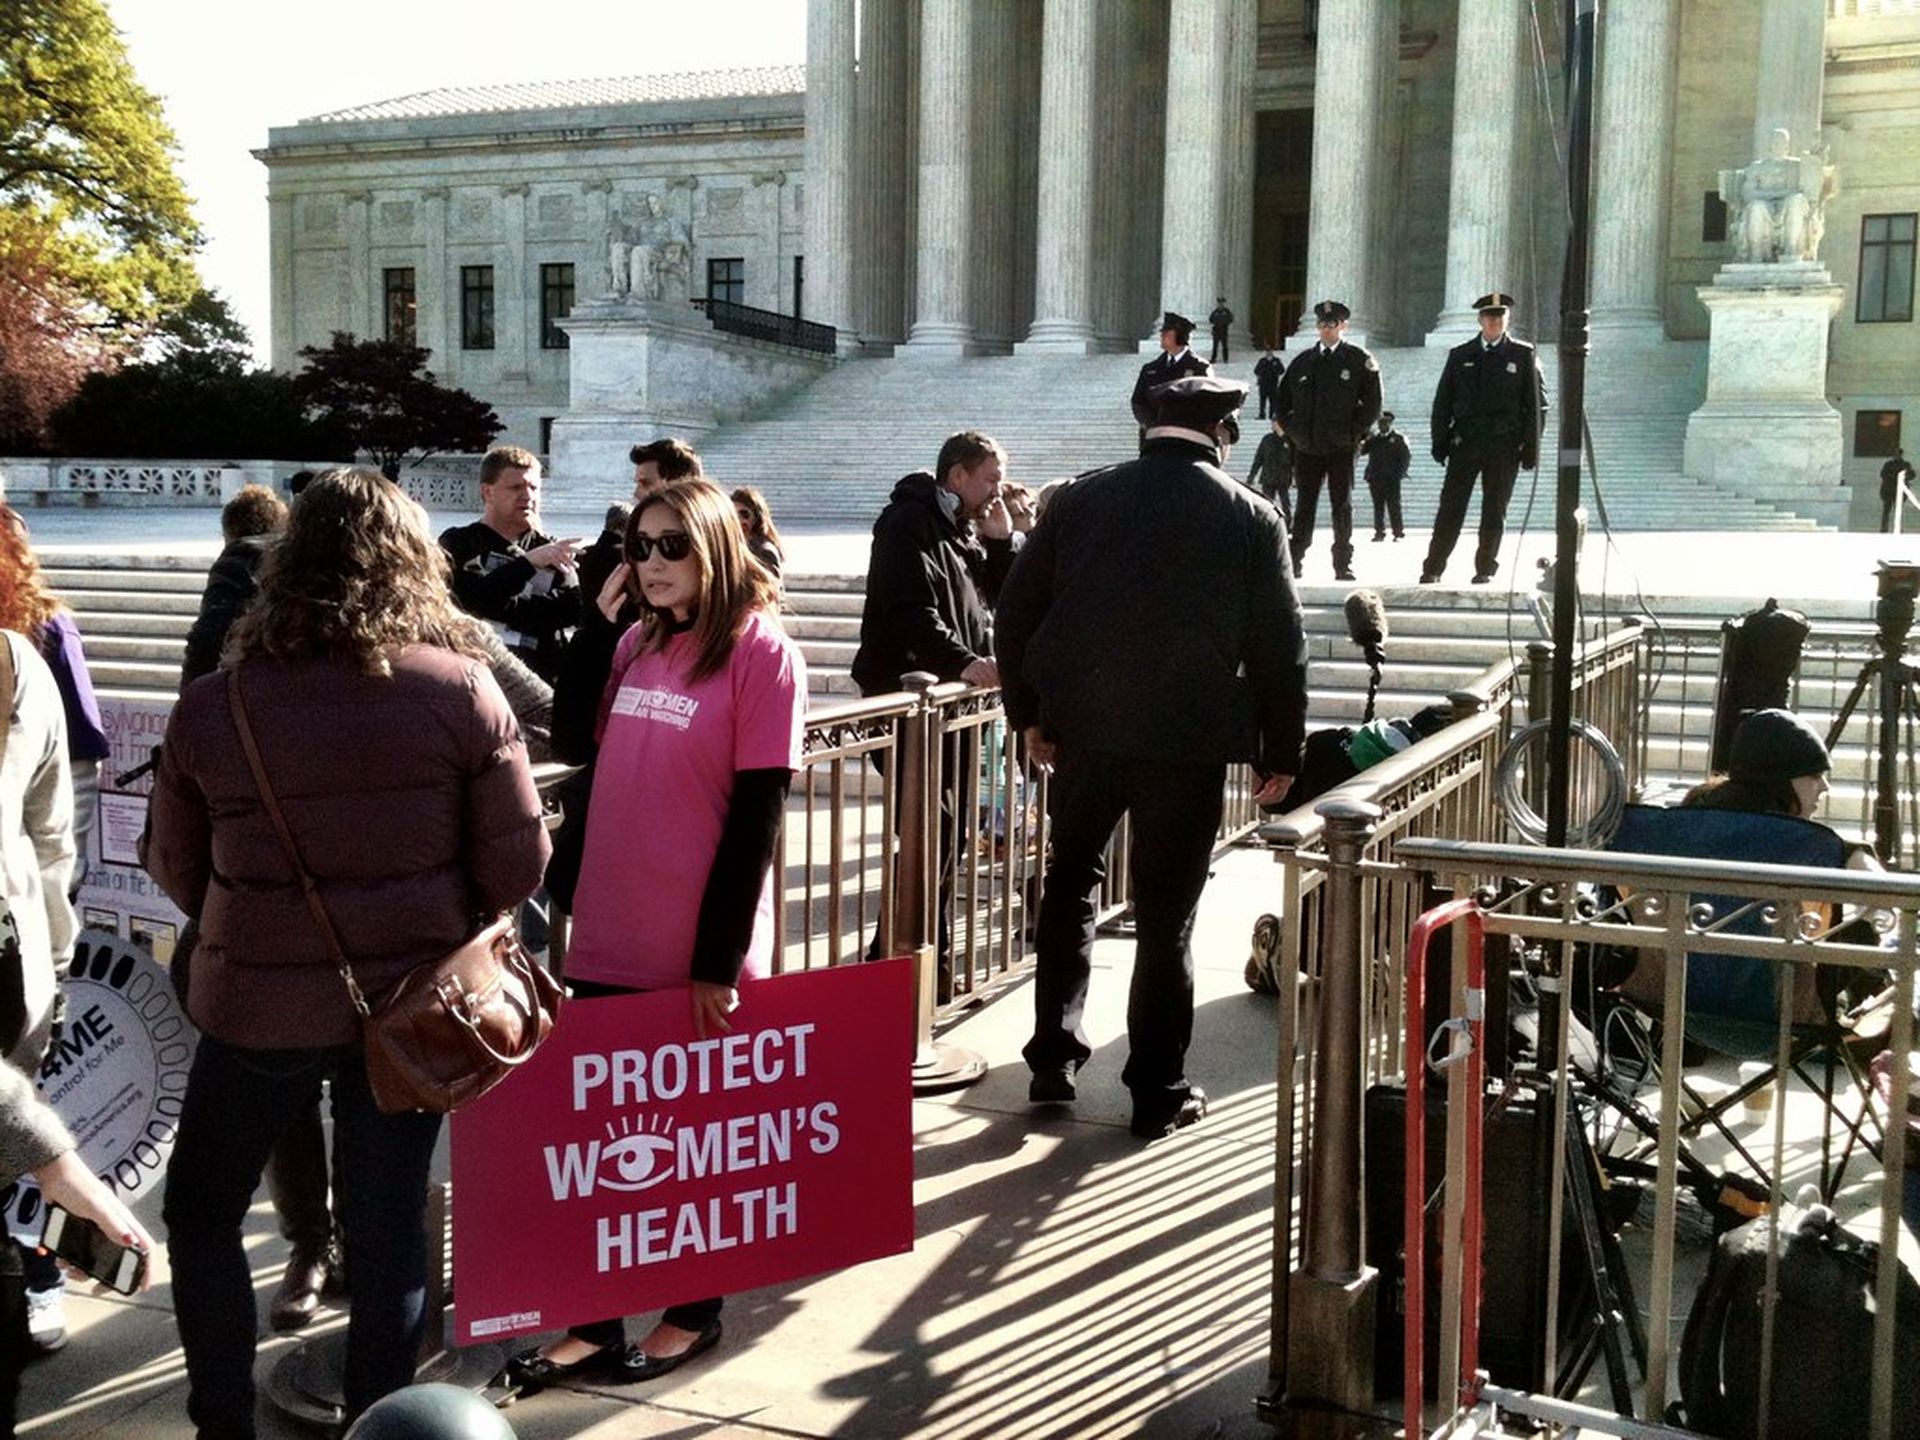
629	1166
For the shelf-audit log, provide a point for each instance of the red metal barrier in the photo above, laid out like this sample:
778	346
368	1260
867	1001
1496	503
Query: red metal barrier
1469	1027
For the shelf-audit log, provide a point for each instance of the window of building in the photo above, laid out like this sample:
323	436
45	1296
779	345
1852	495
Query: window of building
546	434
1876	433
476	307
727	280
1713	216
1886	268
401	310
799	283
556	302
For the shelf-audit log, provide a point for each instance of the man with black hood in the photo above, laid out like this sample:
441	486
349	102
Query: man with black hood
1148	636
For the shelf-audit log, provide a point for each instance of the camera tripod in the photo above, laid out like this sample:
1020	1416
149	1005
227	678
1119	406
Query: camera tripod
1894	685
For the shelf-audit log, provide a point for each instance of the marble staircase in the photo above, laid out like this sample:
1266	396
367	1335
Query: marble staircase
831	452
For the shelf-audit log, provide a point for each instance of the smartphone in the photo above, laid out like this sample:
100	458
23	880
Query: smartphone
86	1247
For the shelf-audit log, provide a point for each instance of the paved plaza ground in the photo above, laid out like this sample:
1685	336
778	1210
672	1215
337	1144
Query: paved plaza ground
1067	1280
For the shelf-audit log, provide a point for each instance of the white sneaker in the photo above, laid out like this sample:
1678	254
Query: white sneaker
47	1318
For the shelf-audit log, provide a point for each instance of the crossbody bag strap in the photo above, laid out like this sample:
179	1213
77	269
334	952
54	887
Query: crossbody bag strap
320	917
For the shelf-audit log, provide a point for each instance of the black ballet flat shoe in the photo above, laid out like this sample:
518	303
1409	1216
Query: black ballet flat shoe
530	1372
634	1366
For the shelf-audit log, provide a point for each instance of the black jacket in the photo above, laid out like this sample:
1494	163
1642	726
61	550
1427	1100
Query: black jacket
1220	318
231	585
1272	470
1490	401
1328	401
1152	613
1387	457
1267	371
931	584
491	576
1163	369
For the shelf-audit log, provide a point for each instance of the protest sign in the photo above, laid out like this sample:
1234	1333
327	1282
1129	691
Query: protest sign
117	1074
630	1166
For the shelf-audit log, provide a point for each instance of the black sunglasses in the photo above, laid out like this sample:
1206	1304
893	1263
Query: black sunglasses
674	545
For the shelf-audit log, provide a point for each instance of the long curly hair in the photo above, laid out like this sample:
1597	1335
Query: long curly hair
26	605
732	583
355	578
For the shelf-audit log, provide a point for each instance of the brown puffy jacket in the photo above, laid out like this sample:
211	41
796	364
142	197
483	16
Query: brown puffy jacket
414	809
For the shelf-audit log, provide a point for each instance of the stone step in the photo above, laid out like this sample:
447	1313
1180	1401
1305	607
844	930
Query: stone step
102	622
136	602
134	647
134	577
149	677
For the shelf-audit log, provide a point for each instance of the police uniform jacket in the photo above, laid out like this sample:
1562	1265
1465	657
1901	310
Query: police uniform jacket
1329	400
1152	614
931	583
1266	373
1163	369
1490	400
1387	457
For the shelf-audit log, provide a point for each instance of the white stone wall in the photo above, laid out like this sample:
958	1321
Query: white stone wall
350	200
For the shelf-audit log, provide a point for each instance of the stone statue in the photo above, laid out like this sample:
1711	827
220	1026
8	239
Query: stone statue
673	263
619	247
1778	203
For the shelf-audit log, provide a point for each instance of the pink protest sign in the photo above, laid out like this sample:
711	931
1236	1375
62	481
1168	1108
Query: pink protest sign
629	1166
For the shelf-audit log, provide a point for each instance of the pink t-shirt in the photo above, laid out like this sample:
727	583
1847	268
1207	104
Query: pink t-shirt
660	793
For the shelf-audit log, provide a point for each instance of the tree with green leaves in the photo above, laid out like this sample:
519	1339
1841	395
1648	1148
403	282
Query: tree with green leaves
381	398
87	175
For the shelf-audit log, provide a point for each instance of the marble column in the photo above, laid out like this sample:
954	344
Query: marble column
1349	92
1063	272
943	232
1486	158
516	292
281	216
1638	78
1147	194
1115	47
1242	39
1793	60
990	98
438	293
884	92
829	157
1191	224
363	299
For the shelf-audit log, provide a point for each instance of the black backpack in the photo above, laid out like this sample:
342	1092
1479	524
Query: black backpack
1822	1336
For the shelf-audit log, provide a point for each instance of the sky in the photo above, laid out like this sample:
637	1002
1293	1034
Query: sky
227	70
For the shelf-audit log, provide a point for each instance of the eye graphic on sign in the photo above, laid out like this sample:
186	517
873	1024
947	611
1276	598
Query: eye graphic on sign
629	1162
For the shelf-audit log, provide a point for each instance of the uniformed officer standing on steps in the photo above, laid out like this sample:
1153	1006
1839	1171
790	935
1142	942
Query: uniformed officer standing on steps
1174	362
1328	401
1487	413
1147	636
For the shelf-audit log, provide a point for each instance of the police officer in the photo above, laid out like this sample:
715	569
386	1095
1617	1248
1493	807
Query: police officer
1387	462
1174	362
1148	635
1487	412
1266	377
1328	400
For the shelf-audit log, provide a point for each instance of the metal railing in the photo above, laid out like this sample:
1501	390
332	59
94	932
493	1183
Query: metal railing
770	326
1663	913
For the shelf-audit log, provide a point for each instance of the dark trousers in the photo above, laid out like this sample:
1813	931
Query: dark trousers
695	1315
16	1346
1266	400
238	1103
1386	505
1495	472
1219	355
1308	473
1176	812
1886	512
947	873
297	1181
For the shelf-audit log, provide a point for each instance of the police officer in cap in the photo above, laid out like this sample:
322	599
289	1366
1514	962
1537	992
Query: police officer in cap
1328	401
1487	413
1175	361
1148	636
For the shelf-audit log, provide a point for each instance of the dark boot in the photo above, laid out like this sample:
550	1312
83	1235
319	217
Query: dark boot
297	1183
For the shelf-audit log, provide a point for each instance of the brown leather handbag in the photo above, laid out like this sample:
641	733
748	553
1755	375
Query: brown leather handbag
448	1030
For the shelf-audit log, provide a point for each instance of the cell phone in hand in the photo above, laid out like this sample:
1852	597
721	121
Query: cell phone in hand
88	1248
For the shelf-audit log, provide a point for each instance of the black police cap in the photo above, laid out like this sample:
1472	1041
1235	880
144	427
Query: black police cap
1197	402
1497	302
1331	312
1175	321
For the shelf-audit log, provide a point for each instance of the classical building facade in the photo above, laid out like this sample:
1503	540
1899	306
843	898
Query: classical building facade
986	176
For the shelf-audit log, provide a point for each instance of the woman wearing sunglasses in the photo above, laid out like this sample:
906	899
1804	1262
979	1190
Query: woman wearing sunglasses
699	735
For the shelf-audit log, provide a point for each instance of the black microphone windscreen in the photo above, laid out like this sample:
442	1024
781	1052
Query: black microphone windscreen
1366	619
